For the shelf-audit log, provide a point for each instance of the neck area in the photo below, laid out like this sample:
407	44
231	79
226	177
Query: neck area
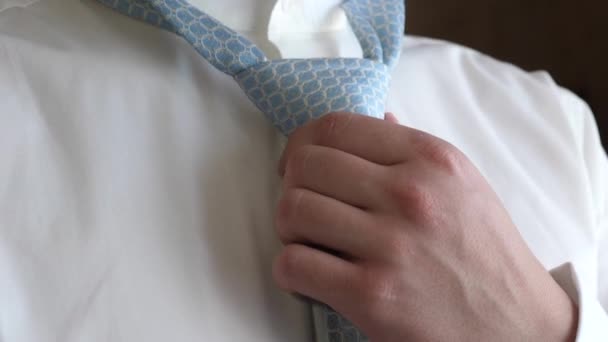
261	15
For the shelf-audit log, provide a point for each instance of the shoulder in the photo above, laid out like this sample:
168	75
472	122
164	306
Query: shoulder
444	56
455	73
473	100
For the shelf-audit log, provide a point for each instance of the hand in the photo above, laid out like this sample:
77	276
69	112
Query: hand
399	232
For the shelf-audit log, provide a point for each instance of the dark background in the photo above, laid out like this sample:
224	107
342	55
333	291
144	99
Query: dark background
567	38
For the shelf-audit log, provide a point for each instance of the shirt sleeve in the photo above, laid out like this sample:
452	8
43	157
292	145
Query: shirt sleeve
585	278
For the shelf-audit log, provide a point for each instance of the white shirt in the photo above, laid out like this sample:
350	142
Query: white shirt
138	184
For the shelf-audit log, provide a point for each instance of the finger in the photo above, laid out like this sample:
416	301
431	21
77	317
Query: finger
378	141
315	274
335	174
390	117
309	218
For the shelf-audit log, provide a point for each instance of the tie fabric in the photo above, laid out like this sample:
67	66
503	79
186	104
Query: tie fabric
291	92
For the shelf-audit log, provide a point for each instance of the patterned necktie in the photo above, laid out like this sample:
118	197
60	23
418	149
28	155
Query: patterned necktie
291	92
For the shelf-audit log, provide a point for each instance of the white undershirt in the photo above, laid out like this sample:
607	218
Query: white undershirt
138	184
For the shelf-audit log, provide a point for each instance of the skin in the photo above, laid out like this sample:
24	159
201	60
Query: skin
400	233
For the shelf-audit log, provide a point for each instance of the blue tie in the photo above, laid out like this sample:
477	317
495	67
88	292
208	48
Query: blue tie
291	92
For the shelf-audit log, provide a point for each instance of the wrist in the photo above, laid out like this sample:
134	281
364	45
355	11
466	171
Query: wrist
560	319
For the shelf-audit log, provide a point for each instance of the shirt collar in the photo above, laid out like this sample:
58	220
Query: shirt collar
6	4
302	16
262	16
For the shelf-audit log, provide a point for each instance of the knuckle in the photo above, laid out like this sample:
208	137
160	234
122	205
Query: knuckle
395	248
297	163
377	291
330	125
442	154
413	199
287	213
288	264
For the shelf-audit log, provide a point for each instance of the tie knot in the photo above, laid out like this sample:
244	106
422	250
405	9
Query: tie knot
292	92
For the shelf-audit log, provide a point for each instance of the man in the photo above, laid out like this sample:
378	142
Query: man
139	188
